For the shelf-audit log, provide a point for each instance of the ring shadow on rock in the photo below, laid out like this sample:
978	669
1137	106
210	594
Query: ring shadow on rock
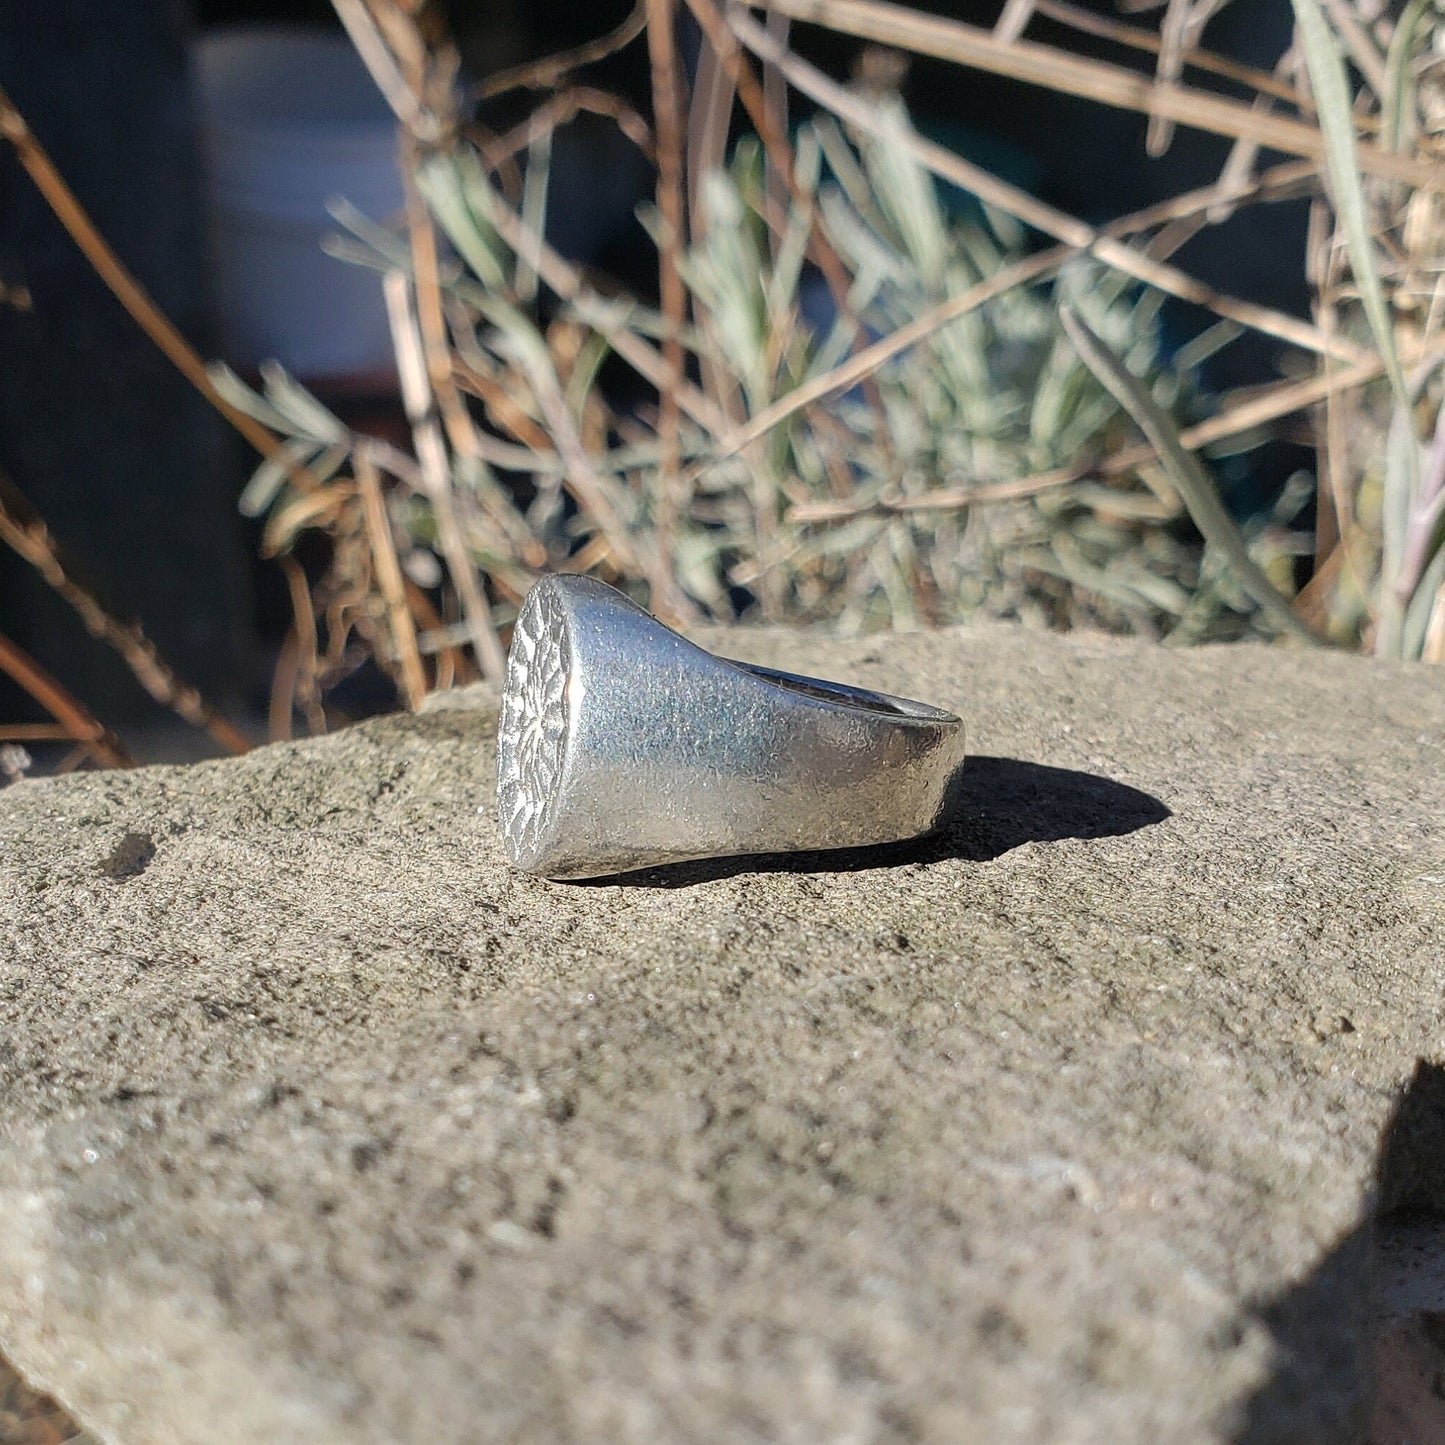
993	805
1336	1331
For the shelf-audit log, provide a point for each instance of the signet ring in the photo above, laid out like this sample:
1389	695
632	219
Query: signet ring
622	746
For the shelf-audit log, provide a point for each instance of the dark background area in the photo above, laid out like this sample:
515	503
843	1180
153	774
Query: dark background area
138	478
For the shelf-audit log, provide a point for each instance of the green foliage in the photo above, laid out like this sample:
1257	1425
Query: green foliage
995	397
889	505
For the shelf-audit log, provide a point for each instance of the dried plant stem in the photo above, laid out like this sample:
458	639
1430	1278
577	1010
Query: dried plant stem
376	54
864	363
722	38
1048	219
299	668
553	68
452	664
393	48
1281	180
560	109
1361	48
35	733
723	43
582	479
441	377
431	320
709	122
284	685
78	723
506	412
127	290
1330	450
1335	532
604	316
1178	30
1195	487
709	116
1091	24
1273	403
723	46
667	120
1045	66
22	529
1243	154
389	579
781	186
431	454
1013	20
950	499
1287	181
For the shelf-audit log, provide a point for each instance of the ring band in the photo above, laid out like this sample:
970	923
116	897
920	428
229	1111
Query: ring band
622	745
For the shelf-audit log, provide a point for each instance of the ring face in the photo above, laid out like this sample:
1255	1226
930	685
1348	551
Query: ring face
532	733
622	745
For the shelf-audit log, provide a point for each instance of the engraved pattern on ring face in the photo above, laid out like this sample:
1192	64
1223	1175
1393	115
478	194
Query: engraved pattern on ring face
532	732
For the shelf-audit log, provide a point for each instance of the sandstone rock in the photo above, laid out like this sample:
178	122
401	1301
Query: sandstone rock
319	1124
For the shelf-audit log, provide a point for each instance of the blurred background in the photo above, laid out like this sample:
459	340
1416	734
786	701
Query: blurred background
209	142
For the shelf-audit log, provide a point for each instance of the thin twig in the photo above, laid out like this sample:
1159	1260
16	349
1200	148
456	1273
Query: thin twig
397	54
507	523
378	58
506	412
582	479
721	36
284	682
1089	23
950	499
667	119
23	529
709	117
453	667
864	363
390	580
781	186
1358	44
1013	20
709	124
556	112
541	73
303	678
604	315
1239	166
1330	522
1280	181
432	455
1018	202
1043	65
723	42
79	722
1182	25
1287	181
35	733
1244	416
1197	491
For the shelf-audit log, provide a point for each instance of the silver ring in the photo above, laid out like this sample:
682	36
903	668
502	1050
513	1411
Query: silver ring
623	746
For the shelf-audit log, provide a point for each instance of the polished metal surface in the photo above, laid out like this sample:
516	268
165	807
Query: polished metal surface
624	746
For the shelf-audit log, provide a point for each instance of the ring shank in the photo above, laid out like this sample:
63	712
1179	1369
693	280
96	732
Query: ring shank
844	695
668	753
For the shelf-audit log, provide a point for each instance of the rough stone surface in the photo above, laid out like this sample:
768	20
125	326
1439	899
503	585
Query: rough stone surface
319	1124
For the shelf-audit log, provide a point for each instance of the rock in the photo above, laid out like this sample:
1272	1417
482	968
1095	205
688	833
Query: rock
318	1123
